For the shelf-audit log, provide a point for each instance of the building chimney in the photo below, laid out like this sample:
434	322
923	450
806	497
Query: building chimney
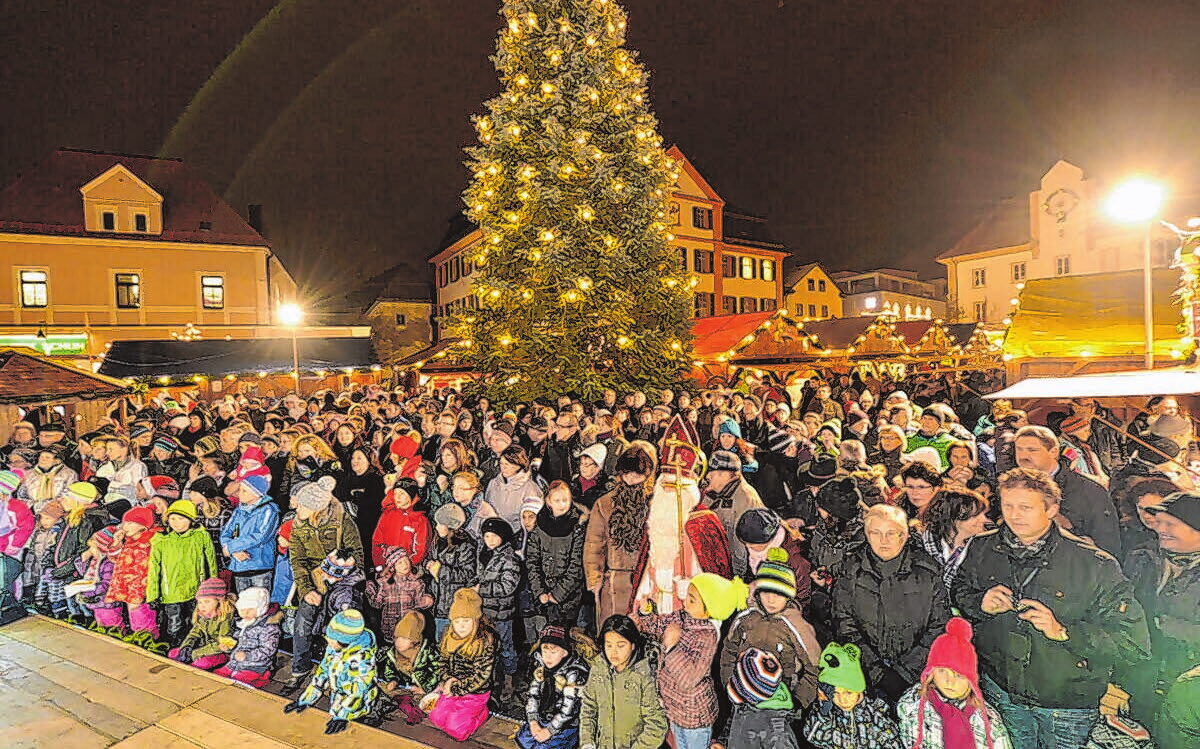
254	216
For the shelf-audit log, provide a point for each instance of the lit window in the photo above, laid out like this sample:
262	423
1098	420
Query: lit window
1062	265
212	290
748	267
980	311
35	291
979	278
768	270
1018	272
129	290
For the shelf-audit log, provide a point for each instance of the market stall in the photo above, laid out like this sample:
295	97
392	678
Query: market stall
30	382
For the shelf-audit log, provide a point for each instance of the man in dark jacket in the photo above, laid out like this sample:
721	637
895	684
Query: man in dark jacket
1055	620
561	461
890	602
1086	509
754	427
1166	580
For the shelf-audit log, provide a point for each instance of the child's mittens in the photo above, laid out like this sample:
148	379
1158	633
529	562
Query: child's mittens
226	643
336	726
184	654
294	707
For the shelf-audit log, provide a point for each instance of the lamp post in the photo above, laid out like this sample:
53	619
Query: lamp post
1138	201
291	315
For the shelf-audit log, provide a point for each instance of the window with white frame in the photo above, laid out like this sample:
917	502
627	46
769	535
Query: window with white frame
129	290
212	291
1062	265
35	288
981	311
1018	272
979	278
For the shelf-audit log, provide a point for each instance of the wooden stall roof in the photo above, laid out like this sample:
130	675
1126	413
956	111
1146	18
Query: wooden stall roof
28	379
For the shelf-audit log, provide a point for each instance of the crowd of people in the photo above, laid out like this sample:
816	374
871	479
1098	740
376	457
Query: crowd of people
851	567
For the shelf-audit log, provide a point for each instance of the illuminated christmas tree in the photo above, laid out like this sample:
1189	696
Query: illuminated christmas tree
577	287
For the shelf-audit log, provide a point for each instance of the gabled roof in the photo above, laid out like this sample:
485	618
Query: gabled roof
46	200
717	335
28	379
692	172
796	274
1008	225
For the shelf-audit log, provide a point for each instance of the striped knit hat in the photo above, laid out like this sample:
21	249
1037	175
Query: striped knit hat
755	678
213	587
166	442
10	480
775	576
347	628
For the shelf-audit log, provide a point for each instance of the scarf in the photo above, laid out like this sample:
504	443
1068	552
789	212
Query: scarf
46	479
557	527
722	500
406	660
627	523
1019	550
469	645
1175	563
956	721
549	693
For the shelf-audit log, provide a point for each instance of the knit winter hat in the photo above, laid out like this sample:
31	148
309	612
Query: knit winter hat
410	628
138	431
143	516
408	486
254	598
1183	506
840	498
315	495
393	556
724	460
260	485
213	587
206	486
927	455
779	440
206	445
184	508
729	426
104	539
775	576
552	634
500	527
450	515
953	650
346	626
467	605
161	486
81	493
337	567
841	666
757	525
833	426
755	678
532	504
597	452
251	438
721	597
166	442
10	480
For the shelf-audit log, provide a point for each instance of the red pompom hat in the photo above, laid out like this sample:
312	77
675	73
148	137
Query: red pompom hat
953	650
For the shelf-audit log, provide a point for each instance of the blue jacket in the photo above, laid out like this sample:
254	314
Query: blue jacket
252	530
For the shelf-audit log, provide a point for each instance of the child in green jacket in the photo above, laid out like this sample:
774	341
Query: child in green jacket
212	621
179	561
409	669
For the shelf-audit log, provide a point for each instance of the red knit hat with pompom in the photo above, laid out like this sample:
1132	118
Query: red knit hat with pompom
954	651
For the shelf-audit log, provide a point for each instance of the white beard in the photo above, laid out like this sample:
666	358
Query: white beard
665	535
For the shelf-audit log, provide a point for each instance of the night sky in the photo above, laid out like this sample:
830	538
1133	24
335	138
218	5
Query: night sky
868	133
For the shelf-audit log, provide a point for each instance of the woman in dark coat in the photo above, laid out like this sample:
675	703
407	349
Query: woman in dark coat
360	490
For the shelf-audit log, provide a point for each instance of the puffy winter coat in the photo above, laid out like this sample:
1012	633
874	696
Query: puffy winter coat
179	562
348	676
1173	616
499	578
507	495
406	529
202	638
785	635
867	726
470	666
562	711
252	529
459	569
258	639
893	619
621	710
554	559
1089	596
130	566
311	545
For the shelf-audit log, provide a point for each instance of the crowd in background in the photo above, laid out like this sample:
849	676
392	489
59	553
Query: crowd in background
885	564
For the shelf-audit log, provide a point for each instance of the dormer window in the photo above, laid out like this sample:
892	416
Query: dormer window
109	221
141	223
120	201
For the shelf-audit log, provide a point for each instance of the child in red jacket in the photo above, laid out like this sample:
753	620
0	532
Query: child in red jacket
400	526
131	568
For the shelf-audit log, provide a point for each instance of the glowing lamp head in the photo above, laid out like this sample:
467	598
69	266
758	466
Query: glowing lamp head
870	302
1135	201
289	314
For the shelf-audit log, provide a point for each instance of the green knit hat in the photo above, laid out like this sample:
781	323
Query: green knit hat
721	597
775	576
841	667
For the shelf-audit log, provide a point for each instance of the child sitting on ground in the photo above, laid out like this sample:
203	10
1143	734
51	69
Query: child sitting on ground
467	653
409	669
762	704
212	621
689	644
553	700
179	561
256	638
845	715
346	672
130	568
396	591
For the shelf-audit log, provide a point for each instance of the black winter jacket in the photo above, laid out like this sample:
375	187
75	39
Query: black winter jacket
499	579
1086	504
554	559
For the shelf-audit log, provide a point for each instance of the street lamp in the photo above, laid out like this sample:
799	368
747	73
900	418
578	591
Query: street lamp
291	315
1138	201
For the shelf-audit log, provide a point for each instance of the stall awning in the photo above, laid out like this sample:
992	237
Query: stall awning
242	356
1110	385
719	335
1095	315
28	379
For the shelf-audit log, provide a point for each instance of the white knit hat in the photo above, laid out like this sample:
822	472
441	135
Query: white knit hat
316	495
